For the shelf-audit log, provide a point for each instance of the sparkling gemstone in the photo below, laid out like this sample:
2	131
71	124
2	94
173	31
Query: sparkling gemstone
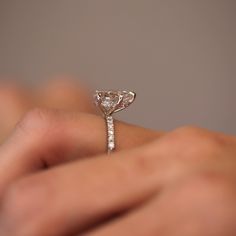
109	102
111	145
113	101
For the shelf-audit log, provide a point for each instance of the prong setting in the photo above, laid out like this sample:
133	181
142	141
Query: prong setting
112	101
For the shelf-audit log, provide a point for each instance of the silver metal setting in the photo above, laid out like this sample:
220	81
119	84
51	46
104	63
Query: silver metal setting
110	102
110	134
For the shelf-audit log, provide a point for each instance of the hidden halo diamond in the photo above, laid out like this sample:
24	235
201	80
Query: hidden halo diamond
109	102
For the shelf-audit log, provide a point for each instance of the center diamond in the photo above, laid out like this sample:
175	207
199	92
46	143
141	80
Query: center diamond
113	101
109	102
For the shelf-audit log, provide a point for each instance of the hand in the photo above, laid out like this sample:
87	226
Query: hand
179	184
45	138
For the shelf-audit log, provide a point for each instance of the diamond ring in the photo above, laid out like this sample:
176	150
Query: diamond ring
110	102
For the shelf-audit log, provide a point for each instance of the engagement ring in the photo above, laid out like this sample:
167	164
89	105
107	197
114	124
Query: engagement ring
110	102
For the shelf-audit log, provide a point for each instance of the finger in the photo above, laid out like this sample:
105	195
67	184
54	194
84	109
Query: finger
112	181
14	102
66	93
93	190
201	204
140	221
45	138
96	189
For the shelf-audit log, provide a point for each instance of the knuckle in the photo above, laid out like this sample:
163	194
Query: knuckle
197	142
37	119
200	135
47	129
191	133
190	130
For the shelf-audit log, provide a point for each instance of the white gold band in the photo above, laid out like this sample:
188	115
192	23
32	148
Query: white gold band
110	134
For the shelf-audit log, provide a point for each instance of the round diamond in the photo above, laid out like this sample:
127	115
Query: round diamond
109	102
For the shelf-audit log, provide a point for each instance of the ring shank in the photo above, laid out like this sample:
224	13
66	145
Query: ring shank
110	134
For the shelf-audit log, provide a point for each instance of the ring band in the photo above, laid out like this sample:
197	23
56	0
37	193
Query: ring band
109	102
110	134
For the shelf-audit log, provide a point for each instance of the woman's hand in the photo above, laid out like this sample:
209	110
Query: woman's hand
45	138
180	184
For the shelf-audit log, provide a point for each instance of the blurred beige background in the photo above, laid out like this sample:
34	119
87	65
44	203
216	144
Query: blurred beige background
178	55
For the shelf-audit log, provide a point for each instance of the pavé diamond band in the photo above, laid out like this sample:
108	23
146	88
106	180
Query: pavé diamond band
110	102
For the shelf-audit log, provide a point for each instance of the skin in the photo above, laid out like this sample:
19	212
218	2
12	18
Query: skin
55	178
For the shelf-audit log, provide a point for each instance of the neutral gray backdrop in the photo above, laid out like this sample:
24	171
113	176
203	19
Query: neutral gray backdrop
178	55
